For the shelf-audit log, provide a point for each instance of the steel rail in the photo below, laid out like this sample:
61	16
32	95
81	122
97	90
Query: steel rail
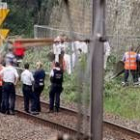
46	122
106	124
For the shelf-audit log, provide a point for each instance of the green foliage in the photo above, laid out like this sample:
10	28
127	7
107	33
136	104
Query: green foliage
123	101
24	14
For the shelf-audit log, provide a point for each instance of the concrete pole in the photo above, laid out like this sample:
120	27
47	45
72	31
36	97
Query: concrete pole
96	52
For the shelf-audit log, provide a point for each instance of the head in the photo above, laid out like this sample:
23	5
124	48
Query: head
103	39
39	65
10	62
10	48
57	40
87	41
131	48
57	64
26	65
63	38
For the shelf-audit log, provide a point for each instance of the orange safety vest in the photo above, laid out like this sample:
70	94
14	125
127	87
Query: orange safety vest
1	80
130	61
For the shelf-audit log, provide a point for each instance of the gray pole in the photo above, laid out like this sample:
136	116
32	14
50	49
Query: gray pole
96	51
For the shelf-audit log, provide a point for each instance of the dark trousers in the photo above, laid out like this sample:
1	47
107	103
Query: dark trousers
28	97
37	93
54	96
134	75
0	97
8	97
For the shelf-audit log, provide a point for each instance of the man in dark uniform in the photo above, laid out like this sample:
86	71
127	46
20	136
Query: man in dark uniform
56	78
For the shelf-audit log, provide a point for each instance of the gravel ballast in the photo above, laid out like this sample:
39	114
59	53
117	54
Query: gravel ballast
15	128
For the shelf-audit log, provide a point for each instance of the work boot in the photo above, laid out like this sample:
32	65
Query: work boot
125	84
35	113
12	112
136	83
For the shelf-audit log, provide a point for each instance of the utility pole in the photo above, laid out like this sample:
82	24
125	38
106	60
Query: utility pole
96	52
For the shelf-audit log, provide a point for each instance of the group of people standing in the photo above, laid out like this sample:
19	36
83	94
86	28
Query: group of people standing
32	87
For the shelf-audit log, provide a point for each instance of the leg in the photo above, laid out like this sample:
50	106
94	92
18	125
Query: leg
33	99
26	98
36	98
5	98
57	98
134	75
40	91
51	96
126	74
12	98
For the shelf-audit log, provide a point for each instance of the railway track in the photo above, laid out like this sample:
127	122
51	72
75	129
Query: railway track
72	131
49	123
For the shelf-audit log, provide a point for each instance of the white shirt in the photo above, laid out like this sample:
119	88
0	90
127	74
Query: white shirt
9	73
27	77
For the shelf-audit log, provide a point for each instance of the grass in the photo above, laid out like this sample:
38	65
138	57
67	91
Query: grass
123	101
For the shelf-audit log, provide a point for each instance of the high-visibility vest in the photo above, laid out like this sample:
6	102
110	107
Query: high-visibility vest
130	61
1	80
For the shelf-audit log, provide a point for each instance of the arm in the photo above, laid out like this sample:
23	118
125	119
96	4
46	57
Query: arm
123	59
51	76
32	78
16	78
137	57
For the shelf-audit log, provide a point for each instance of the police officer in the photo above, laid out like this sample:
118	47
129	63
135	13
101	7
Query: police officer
27	80
39	77
10	79
56	78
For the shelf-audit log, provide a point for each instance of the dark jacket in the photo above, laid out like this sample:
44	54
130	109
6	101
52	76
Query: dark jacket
39	77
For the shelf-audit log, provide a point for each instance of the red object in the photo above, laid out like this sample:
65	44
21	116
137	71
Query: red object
19	50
